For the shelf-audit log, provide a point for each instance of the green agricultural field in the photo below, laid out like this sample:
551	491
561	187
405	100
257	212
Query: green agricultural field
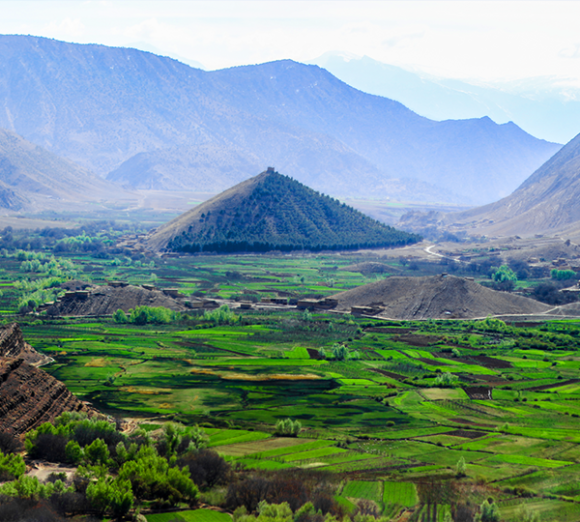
382	422
363	489
402	493
197	515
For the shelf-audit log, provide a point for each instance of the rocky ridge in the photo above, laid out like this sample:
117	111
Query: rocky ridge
28	395
13	345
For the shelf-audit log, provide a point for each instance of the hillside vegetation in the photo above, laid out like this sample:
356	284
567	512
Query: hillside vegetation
274	212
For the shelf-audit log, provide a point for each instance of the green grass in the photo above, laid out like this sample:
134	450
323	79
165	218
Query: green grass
363	489
197	515
403	493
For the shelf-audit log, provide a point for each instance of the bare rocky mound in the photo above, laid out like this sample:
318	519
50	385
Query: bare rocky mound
106	300
436	297
29	397
12	345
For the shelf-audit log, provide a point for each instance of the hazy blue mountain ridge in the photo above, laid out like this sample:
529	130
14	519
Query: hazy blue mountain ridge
101	106
539	105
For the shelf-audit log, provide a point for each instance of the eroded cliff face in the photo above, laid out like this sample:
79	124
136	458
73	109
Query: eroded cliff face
12	345
29	396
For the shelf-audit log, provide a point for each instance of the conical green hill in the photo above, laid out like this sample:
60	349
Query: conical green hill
273	212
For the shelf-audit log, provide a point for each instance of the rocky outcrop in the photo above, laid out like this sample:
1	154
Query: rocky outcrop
29	397
12	345
434	297
107	299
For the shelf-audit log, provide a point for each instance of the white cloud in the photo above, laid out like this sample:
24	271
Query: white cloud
67	29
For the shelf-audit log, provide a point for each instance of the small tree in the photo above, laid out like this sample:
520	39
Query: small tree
340	352
488	512
447	380
120	316
461	467
288	427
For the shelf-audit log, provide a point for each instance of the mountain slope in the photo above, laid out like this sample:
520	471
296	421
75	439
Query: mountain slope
101	106
32	177
273	212
548	201
436	297
545	107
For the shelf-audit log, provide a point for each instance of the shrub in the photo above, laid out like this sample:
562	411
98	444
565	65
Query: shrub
11	466
288	427
206	468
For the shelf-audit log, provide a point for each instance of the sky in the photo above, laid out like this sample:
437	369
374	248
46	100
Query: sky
476	40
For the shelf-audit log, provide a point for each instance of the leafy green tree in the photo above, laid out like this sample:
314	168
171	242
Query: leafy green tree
447	380
288	427
152	478
110	495
274	512
461	467
504	273
12	466
73	451
120	317
562	275
340	352
488	512
223	315
97	452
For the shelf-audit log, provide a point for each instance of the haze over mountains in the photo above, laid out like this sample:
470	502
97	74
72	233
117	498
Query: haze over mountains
151	122
548	201
32	178
547	108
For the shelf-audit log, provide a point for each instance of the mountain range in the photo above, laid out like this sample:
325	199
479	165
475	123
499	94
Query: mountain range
546	107
147	121
32	178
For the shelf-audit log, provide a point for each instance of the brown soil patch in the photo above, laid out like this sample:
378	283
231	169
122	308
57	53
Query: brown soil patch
99	362
490	362
556	385
313	354
493	380
431	362
461	420
479	393
235	376
392	375
466	434
418	340
193	345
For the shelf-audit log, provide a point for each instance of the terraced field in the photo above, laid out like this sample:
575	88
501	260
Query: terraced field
419	397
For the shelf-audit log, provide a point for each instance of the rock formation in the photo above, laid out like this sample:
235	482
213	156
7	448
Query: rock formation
12	345
435	297
29	397
107	299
